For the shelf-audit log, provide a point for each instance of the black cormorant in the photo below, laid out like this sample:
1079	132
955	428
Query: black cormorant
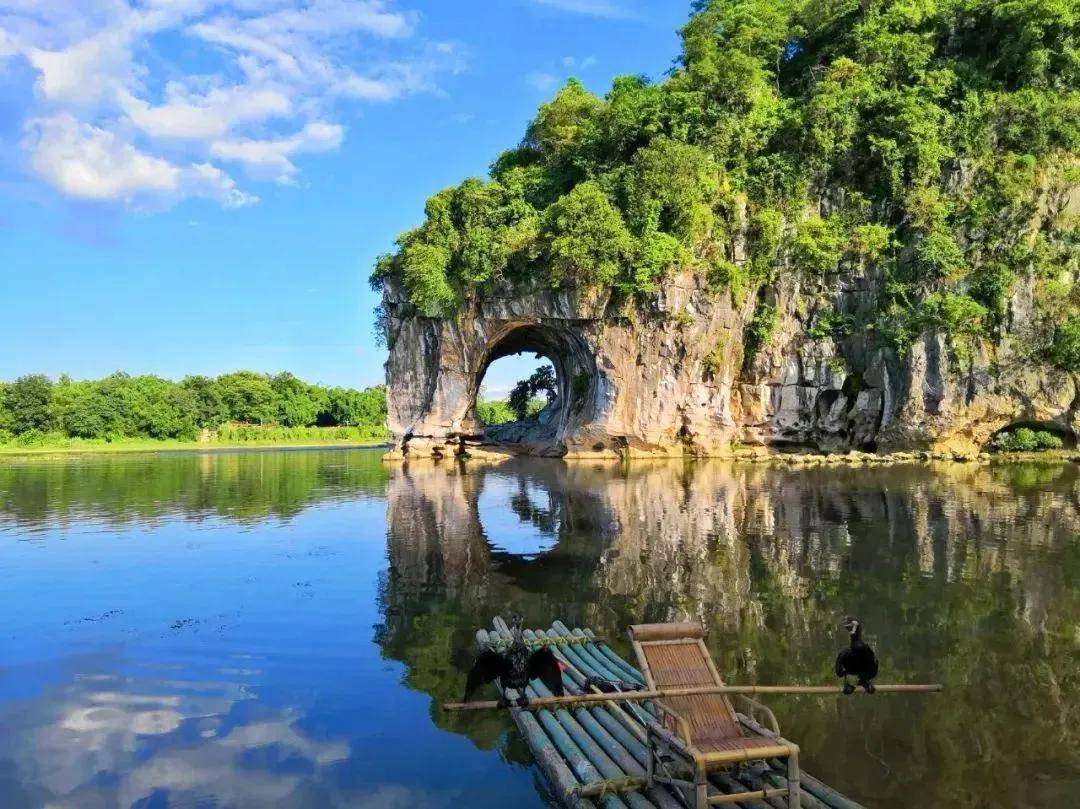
858	660
515	667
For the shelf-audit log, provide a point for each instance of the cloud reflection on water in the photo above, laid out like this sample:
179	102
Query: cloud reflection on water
110	740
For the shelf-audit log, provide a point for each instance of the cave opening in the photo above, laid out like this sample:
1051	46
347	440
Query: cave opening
516	387
1056	429
533	379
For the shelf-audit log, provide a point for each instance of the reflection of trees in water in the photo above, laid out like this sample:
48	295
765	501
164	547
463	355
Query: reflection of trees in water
968	575
243	486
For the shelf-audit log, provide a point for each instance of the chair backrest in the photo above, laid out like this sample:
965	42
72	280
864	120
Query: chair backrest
675	656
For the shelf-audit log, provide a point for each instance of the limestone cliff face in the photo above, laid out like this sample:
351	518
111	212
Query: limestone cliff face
669	375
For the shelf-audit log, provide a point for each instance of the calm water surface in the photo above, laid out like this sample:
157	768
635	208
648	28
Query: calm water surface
275	629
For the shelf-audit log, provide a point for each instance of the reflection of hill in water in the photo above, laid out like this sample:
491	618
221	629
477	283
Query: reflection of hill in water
968	575
238	486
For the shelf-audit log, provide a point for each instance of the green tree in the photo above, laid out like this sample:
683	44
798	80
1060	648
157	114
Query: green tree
248	397
298	404
209	409
585	239
494	411
521	397
355	408
28	402
83	411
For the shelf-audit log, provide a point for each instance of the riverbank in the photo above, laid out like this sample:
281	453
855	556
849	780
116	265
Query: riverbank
76	446
765	455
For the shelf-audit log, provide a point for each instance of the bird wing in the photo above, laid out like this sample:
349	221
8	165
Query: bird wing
841	662
489	665
871	664
544	666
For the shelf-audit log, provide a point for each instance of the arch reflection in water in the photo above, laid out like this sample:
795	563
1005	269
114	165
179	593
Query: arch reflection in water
963	574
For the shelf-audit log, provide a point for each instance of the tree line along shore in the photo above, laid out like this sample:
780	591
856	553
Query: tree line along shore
122	411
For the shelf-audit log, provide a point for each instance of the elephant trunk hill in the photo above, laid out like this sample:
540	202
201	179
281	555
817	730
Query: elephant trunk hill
833	226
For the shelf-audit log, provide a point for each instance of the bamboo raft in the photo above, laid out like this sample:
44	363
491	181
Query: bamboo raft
593	755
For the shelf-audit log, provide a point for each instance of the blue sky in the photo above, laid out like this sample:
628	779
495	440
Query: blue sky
197	186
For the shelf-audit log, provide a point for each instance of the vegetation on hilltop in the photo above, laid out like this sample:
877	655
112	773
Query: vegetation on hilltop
920	137
34	409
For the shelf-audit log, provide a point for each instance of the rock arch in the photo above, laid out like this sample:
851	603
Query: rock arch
435	368
668	375
575	382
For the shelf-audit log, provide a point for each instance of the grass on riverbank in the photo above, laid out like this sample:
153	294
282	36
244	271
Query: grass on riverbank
228	437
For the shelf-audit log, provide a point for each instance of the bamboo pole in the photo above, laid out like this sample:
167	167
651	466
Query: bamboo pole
629	714
589	761
601	721
822	791
669	693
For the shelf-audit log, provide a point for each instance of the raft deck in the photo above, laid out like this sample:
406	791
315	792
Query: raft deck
594	757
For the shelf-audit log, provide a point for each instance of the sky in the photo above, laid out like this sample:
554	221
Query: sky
201	186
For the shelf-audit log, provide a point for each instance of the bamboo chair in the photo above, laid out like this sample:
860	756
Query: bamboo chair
701	734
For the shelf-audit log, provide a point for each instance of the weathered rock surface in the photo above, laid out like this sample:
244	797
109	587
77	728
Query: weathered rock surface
668	376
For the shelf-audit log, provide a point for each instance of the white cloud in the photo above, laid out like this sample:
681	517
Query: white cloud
122	113
573	63
90	163
592	8
213	114
269	159
544	82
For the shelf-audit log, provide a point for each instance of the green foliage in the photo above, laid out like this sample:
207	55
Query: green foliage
1065	349
871	240
819	245
962	317
765	234
354	408
585	238
119	406
494	411
758	331
562	127
1024	439
523	394
938	257
929	135
724	274
830	324
249	397
714	360
298	404
28	404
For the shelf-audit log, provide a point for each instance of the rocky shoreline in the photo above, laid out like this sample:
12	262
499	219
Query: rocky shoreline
763	455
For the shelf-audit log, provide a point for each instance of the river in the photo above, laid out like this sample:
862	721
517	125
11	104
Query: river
276	629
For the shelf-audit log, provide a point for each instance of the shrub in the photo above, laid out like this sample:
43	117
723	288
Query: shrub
1044	439
1025	439
1065	349
494	411
758	331
28	402
819	245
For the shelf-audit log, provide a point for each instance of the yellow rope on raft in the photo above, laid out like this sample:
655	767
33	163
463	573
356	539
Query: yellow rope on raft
611	786
557	640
